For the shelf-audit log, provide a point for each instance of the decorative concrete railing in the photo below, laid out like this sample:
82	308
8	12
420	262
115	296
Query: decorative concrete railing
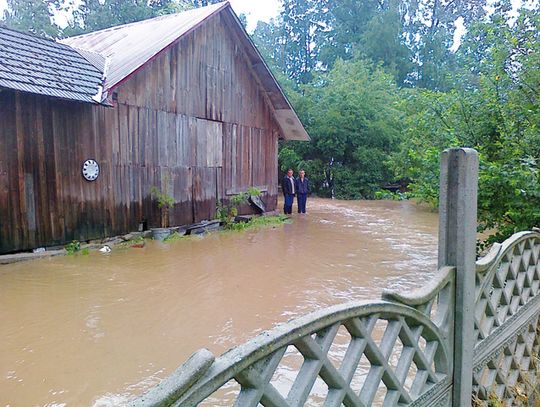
470	334
506	317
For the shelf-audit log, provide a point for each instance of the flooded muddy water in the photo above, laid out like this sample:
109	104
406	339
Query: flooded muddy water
96	330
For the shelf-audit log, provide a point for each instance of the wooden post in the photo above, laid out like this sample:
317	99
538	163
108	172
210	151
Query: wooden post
457	247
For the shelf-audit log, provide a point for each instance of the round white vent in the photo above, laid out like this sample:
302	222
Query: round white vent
90	170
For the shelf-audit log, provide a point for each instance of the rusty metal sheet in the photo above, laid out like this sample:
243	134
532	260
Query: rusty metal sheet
130	46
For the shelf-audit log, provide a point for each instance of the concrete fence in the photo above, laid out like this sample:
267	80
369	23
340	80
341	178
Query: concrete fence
471	335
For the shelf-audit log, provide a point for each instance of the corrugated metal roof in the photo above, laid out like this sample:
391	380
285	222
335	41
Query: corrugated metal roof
128	47
36	65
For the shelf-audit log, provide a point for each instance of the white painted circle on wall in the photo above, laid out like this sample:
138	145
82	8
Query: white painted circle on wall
90	170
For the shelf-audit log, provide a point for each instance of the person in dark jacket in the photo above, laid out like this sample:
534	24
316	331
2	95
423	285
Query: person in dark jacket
289	190
302	191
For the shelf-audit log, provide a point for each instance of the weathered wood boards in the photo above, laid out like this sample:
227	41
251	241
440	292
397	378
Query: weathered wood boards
192	122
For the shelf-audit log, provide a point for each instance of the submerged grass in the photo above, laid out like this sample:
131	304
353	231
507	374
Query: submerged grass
259	222
130	243
174	237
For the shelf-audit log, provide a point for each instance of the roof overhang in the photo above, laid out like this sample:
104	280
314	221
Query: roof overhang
290	125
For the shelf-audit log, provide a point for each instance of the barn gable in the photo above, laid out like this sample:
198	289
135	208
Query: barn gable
216	133
128	48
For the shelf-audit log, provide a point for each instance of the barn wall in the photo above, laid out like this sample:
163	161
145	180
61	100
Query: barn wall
44	199
192	122
204	80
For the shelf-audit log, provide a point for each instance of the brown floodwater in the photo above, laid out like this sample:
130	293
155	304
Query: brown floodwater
96	330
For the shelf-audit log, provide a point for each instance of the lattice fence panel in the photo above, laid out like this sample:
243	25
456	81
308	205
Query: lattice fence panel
387	355
436	300
507	321
511	375
385	379
510	283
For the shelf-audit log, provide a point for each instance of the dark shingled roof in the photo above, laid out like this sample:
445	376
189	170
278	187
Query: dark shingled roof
36	65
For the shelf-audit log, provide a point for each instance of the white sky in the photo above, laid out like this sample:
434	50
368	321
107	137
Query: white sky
264	10
254	10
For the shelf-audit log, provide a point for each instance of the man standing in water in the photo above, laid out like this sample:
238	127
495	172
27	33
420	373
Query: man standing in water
302	187
289	189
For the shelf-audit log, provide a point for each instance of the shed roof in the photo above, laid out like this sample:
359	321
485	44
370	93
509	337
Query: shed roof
128	47
36	65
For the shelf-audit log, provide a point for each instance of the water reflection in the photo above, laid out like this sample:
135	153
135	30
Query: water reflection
98	329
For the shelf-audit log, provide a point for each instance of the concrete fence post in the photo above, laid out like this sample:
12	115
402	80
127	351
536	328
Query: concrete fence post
457	247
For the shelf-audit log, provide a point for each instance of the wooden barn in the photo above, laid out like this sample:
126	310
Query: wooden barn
90	124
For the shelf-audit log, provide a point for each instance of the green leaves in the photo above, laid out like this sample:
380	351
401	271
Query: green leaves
494	108
353	116
509	196
35	16
163	199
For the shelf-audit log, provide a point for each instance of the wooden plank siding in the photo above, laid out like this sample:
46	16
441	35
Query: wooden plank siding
193	121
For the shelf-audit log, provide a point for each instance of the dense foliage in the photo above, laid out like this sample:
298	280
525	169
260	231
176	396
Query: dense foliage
388	85
353	116
383	86
493	106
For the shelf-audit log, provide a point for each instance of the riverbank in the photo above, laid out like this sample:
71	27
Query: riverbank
137	239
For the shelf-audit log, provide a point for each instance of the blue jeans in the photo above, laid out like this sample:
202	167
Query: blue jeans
302	199
287	208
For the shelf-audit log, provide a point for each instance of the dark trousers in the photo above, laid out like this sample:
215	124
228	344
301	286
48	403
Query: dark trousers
287	208
302	199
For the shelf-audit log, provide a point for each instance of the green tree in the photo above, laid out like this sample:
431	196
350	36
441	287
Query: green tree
35	16
493	108
348	20
201	3
270	40
303	22
353	117
411	37
383	42
93	15
430	32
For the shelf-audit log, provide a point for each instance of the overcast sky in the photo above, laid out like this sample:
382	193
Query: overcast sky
264	10
254	10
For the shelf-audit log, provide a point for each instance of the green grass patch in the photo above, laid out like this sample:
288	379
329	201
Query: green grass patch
392	196
260	222
73	247
174	237
129	243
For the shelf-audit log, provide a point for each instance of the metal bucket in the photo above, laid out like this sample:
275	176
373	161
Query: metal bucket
160	233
